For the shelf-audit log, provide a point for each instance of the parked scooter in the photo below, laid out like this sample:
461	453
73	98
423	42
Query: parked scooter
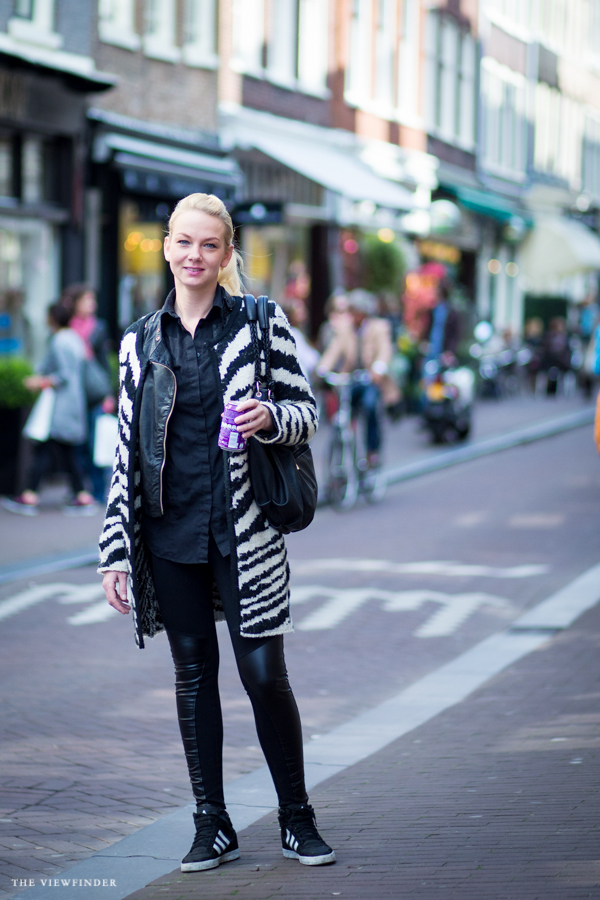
447	401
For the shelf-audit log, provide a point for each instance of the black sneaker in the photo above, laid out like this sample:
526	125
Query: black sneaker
300	839
215	842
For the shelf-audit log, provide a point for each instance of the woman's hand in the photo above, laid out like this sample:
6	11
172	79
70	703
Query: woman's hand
115	588
253	416
37	382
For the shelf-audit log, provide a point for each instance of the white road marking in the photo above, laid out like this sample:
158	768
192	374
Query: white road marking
342	602
98	612
454	569
562	608
64	593
29	597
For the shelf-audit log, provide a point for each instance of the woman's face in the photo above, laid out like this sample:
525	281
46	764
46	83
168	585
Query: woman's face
86	305
196	249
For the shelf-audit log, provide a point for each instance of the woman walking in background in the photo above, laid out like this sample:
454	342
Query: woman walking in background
184	542
62	369
80	300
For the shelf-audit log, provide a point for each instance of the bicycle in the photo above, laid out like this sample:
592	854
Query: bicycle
348	471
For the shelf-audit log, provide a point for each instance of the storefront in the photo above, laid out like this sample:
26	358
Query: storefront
137	177
42	132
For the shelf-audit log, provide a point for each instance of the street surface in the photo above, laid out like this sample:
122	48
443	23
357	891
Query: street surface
381	596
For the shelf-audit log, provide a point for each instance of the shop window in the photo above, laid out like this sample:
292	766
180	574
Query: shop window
450	81
142	266
200	33
159	36
116	23
249	36
33	22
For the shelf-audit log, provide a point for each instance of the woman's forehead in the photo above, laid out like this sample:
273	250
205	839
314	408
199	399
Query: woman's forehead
195	223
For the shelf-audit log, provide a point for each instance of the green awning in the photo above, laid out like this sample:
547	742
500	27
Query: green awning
488	204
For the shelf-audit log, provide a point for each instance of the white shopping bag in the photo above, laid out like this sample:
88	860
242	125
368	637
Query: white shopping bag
37	426
105	440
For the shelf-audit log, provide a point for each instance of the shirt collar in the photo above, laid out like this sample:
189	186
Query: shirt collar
218	302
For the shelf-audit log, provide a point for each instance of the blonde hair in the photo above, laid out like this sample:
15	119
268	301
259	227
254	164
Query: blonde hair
230	277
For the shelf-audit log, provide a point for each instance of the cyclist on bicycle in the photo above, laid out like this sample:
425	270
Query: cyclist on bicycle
363	343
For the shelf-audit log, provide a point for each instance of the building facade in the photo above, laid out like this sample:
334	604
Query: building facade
47	75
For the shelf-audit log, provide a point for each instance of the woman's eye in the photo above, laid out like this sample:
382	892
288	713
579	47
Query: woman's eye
210	246
182	242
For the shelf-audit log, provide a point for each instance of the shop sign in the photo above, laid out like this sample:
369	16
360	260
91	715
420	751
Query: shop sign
442	252
258	213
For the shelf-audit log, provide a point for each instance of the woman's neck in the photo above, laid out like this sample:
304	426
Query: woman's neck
192	306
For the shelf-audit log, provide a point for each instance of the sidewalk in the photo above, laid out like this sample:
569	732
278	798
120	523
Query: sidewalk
497	797
52	535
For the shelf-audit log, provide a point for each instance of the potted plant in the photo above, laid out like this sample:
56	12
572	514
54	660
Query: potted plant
15	401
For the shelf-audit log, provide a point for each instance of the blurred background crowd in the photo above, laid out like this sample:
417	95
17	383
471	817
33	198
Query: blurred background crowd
417	183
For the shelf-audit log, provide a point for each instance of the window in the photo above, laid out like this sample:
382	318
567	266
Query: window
359	85
33	22
249	36
313	35
408	92
116	23
6	167
159	28
24	9
450	81
505	122
514	11
32	170
590	163
200	33
561	132
385	53
283	40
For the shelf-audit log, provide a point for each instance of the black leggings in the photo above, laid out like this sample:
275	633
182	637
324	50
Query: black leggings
184	594
65	456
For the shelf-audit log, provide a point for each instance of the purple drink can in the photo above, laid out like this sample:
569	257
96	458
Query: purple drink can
229	436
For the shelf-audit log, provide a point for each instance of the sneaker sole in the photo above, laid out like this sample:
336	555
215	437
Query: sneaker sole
310	860
21	509
210	863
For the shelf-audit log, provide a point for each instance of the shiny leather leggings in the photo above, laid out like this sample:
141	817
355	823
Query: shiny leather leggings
184	594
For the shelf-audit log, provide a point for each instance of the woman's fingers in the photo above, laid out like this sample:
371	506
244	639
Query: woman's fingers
253	417
115	588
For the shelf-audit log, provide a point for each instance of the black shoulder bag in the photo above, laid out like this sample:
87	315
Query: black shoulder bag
283	478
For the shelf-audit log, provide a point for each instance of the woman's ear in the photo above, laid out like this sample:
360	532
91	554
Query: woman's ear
227	258
166	248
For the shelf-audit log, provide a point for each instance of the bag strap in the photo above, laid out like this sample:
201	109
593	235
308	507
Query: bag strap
257	311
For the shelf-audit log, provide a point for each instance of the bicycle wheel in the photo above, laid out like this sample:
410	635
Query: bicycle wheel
374	485
342	483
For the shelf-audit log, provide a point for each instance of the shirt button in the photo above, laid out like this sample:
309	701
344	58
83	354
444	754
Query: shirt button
197	354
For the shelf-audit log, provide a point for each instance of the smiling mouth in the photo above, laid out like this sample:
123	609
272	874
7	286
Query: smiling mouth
193	270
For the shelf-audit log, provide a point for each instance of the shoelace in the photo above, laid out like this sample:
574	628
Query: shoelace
206	827
304	823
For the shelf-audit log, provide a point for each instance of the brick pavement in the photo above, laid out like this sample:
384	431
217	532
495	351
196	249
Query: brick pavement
496	798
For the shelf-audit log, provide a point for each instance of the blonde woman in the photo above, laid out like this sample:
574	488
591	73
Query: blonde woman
184	543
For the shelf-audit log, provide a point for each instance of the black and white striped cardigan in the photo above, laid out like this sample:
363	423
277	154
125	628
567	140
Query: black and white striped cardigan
259	553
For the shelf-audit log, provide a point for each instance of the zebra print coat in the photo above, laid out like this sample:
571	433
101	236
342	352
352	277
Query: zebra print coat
260	570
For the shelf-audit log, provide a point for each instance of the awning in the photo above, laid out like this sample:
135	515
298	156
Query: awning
487	204
150	155
324	157
80	70
556	249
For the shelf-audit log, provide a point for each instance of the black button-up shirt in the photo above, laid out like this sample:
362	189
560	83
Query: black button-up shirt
193	477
